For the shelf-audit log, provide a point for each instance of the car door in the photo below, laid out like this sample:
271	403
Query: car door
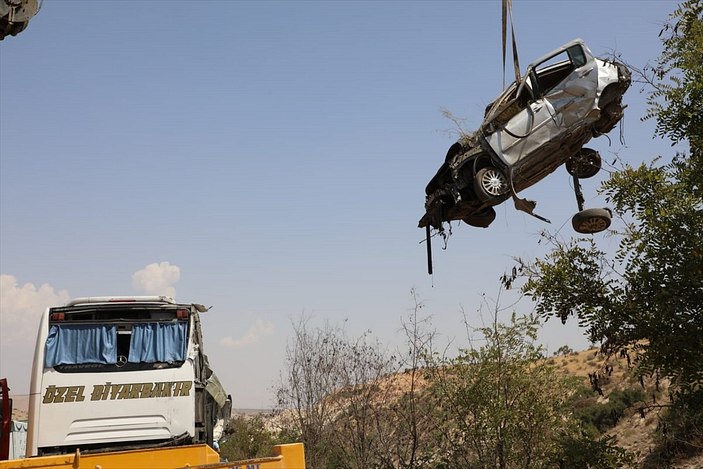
573	96
526	130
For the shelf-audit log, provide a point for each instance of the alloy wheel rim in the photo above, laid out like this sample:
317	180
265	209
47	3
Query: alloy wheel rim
594	225
493	182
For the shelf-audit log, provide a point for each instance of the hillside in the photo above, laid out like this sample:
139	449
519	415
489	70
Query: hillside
20	407
610	400
635	431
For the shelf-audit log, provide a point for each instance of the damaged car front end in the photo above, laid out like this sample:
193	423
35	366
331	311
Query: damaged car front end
537	124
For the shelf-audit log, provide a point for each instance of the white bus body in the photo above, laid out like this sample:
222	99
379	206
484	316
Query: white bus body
118	373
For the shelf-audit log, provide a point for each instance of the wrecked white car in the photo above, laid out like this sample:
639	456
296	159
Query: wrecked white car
537	124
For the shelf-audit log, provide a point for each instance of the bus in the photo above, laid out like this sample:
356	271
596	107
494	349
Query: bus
114	373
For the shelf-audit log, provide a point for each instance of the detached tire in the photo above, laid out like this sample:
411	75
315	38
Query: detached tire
592	220
490	183
481	219
584	164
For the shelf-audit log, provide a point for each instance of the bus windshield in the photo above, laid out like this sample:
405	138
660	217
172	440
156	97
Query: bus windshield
116	339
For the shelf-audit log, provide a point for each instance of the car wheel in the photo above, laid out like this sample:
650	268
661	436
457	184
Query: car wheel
490	183
481	219
584	164
592	220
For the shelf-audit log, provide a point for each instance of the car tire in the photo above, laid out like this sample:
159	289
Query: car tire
490	183
481	219
584	164
592	220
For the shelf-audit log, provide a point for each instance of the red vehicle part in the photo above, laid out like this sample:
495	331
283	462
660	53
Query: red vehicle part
5	419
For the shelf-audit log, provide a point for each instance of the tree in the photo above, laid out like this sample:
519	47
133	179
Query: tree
649	295
504	406
499	405
354	431
408	418
676	96
564	350
312	362
353	404
329	393
247	438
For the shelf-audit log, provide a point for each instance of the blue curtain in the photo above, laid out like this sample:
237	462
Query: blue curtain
158	342
78	344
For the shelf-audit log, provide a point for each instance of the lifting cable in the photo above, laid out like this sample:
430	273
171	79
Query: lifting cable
524	205
507	10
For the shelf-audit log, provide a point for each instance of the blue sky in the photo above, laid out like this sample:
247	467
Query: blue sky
270	159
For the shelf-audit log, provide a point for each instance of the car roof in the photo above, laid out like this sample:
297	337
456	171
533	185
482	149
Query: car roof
557	50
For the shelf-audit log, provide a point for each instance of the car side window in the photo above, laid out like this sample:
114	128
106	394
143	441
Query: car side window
554	70
578	57
514	102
